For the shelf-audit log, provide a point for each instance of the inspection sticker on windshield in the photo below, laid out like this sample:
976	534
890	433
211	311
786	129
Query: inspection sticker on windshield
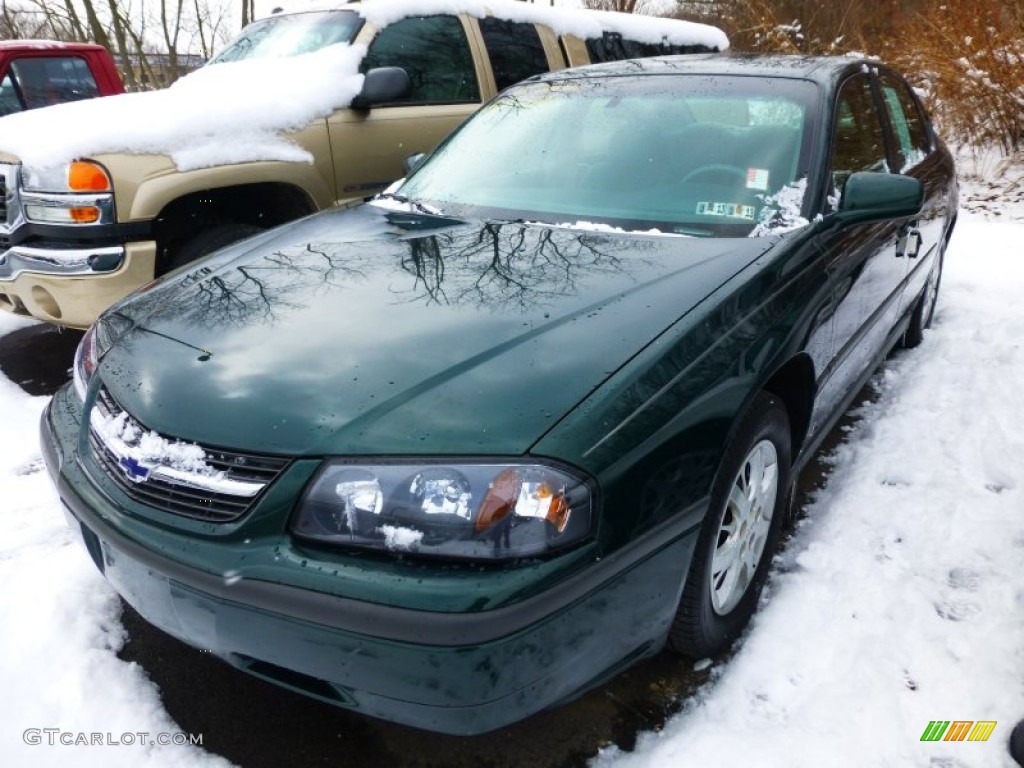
733	210
757	178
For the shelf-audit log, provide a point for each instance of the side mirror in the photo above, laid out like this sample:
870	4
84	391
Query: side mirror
382	85
879	196
412	162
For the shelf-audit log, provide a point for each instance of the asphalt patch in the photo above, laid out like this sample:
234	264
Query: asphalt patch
38	358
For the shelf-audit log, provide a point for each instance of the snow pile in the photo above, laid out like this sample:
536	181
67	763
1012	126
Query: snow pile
144	445
781	211
228	113
60	627
901	598
585	24
400	538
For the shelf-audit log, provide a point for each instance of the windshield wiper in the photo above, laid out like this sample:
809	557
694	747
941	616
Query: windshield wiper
429	210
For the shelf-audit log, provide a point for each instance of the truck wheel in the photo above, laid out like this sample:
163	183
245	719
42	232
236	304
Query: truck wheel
209	240
739	534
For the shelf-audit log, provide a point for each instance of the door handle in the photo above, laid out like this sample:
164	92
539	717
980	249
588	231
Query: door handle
909	243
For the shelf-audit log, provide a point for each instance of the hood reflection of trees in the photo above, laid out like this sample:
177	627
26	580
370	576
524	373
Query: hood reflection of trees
506	266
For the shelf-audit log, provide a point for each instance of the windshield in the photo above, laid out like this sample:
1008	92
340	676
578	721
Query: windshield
685	154
291	34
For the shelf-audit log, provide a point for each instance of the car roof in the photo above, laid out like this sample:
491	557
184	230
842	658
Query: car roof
38	45
825	70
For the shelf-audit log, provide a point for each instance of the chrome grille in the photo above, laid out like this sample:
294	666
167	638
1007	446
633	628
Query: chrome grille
190	495
3	194
10	206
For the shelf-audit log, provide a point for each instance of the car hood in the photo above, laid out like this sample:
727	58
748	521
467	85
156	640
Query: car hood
369	332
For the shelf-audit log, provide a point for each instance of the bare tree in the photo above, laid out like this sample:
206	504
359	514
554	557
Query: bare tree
248	12
622	6
155	41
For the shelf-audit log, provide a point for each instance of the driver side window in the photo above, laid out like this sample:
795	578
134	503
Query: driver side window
858	142
435	52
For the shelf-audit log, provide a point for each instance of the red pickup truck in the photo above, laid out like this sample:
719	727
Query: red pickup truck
37	73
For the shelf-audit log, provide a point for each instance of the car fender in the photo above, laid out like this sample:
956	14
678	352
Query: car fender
146	184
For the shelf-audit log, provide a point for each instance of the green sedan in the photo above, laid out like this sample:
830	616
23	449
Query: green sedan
462	452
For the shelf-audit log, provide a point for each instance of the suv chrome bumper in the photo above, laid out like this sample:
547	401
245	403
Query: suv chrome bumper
60	261
16	259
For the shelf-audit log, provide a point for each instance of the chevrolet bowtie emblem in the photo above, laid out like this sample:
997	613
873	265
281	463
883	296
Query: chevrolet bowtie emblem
136	471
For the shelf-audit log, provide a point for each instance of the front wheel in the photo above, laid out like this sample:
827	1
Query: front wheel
207	241
739	534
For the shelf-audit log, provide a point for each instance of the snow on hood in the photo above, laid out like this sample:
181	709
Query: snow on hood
228	113
241	111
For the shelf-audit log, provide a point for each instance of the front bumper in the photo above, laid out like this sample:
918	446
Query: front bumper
72	286
454	671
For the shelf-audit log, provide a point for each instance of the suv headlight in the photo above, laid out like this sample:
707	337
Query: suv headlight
475	510
77	193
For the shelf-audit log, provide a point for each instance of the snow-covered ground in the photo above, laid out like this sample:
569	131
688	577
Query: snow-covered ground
899	601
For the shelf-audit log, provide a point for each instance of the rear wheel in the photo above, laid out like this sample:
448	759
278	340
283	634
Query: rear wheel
739	534
924	310
209	240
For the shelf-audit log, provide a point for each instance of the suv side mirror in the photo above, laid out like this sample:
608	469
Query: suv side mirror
879	196
382	85
412	162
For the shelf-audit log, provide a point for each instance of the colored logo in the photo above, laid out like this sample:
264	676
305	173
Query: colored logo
137	471
958	730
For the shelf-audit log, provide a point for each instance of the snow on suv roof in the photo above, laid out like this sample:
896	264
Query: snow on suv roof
218	115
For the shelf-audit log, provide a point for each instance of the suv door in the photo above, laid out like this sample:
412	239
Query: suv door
441	56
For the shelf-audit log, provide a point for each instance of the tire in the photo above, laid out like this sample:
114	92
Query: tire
924	310
207	241
1017	743
739	534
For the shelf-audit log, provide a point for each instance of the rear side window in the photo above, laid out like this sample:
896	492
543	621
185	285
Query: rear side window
40	82
907	122
435	52
515	50
612	46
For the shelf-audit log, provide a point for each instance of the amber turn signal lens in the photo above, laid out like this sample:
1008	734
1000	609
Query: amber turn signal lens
85	214
500	500
558	512
84	176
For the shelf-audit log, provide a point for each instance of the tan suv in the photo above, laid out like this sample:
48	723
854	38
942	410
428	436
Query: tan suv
302	111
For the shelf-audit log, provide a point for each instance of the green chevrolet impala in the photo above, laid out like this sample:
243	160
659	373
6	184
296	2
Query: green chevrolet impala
462	452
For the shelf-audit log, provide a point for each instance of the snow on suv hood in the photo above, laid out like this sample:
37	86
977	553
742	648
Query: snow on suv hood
241	111
228	113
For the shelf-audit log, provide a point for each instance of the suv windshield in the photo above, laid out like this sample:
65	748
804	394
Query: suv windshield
687	154
291	34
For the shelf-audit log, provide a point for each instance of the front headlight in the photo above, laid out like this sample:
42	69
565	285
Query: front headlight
97	340
87	357
77	193
76	176
482	510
